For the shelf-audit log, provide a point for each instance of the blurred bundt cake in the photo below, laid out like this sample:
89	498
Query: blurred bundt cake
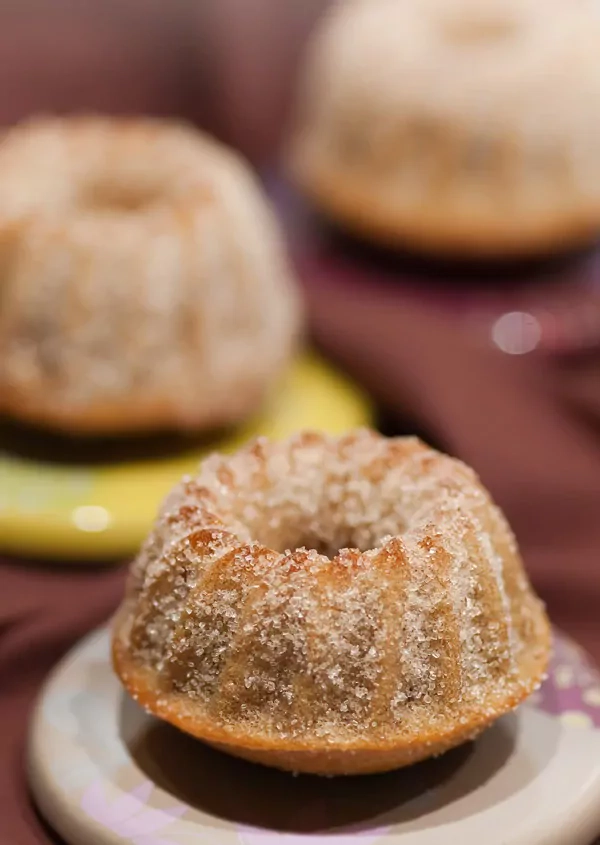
331	605
144	283
466	127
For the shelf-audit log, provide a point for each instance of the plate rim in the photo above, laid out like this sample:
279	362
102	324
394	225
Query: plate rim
50	798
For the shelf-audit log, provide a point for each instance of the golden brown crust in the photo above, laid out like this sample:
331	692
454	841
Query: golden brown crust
333	605
312	757
437	228
122	417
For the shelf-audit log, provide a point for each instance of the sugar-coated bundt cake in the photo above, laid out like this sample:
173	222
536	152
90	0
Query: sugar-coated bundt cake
466	127
331	605
144	283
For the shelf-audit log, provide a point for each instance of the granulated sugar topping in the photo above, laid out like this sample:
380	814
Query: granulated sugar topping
334	588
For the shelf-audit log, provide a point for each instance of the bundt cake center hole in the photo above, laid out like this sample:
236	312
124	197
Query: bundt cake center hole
120	196
328	541
474	31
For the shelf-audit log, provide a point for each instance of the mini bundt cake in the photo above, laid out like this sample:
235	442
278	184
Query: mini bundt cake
331	605
144	282
455	127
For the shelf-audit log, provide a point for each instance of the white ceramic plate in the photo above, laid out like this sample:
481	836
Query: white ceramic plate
105	773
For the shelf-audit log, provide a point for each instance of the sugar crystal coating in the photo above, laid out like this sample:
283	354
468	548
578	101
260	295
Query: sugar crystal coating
442	123
334	591
145	283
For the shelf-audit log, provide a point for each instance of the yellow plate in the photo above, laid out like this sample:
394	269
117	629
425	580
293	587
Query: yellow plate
102	512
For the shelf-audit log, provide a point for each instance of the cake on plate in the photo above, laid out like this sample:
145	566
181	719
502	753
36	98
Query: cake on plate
334	605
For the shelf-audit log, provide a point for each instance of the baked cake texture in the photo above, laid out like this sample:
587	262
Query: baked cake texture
455	127
144	282
335	605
